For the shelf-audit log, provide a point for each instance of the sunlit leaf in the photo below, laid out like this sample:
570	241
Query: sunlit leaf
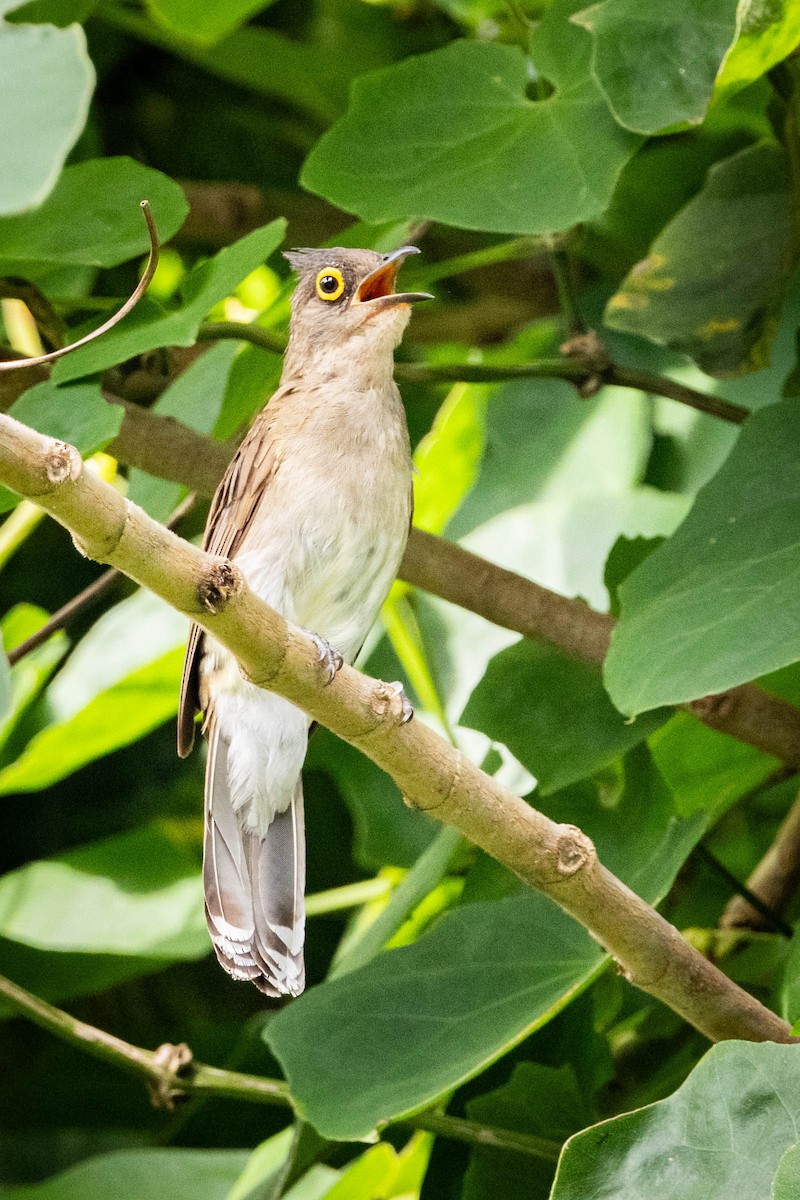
138	893
46	83
120	683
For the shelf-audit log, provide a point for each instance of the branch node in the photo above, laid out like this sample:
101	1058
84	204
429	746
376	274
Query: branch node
623	970
574	850
589	347
174	1062
220	583
720	705
390	703
61	463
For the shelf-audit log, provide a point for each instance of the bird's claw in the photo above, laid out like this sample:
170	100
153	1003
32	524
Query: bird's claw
329	658
391	698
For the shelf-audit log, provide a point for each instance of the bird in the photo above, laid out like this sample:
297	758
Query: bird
315	510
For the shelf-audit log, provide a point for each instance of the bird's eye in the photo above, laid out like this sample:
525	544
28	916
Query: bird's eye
330	284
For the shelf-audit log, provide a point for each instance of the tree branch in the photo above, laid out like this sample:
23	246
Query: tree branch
435	777
775	880
166	448
172	1071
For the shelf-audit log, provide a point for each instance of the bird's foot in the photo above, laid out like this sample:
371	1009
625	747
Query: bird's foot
329	659
391	698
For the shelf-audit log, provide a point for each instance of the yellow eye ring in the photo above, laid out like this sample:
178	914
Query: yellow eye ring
330	284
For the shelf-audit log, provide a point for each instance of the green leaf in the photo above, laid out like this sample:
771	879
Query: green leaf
78	415
460	141
715	275
706	771
150	326
768	33
141	1175
537	1099
656	63
195	398
553	714
717	604
135	894
787	1179
411	1024
206	22
51	12
46	83
120	682
92	218
29	675
723	1133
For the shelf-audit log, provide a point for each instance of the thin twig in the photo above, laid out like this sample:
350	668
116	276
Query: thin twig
87	599
172	1071
770	917
774	882
131	302
559	860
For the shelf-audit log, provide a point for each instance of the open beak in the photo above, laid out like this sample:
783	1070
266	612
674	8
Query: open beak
379	284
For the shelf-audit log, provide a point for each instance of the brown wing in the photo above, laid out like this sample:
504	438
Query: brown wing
229	519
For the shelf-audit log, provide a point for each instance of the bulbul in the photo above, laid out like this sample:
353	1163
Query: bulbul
315	509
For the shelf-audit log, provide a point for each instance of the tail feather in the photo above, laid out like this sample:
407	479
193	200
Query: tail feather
254	886
277	873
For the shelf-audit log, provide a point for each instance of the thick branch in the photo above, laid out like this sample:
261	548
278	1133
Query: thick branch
559	860
172	1071
166	448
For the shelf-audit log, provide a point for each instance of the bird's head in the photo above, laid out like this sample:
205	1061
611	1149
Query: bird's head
345	300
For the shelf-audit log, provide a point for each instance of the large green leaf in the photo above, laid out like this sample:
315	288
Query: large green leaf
714	276
460	141
656	63
718	604
720	1135
142	1175
411	1024
92	218
150	326
135	894
46	83
552	713
121	682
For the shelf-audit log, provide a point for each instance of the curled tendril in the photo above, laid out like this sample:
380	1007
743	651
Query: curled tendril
149	271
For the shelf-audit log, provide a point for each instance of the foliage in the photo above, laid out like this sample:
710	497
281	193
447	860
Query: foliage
633	169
